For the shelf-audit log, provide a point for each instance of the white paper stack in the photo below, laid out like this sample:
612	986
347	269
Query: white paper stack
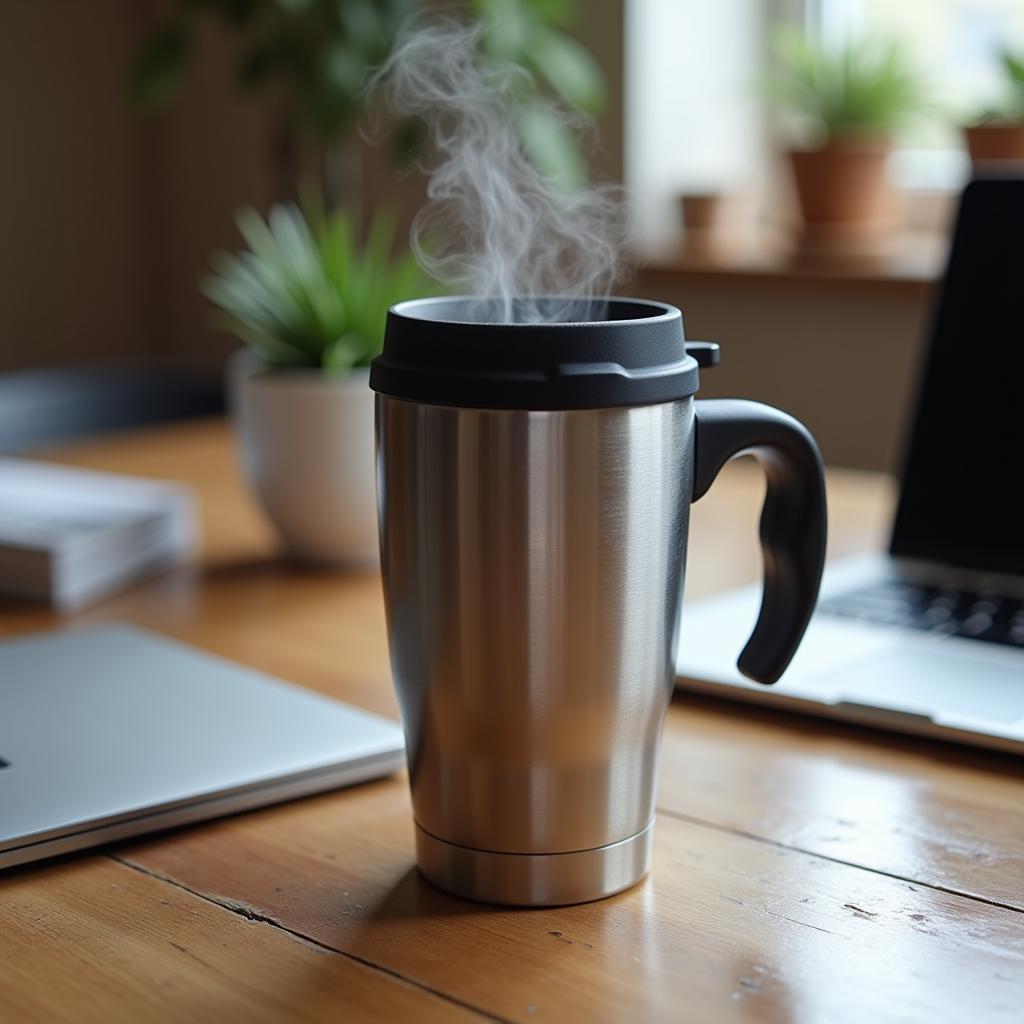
72	536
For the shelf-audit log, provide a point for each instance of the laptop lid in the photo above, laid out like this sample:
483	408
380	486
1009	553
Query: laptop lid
960	501
110	731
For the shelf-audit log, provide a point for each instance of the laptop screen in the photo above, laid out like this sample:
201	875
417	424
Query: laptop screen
961	501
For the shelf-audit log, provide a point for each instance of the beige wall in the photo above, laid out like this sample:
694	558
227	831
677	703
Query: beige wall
205	156
71	280
841	355
107	218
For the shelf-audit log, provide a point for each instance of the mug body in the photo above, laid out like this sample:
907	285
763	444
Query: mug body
534	483
533	567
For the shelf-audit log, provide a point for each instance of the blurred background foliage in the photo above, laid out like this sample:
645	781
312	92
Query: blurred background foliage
315	57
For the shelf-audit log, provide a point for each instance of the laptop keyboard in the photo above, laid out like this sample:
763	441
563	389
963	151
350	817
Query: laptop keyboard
947	610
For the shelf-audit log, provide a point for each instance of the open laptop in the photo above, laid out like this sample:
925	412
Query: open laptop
930	638
109	732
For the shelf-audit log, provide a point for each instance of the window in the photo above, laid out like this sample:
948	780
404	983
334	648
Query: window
693	114
955	43
696	115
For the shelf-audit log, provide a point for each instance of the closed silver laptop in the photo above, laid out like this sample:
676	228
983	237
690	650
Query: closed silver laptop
109	732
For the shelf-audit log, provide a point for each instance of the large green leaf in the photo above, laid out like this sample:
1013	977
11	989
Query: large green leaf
507	28
551	145
555	12
570	69
1014	66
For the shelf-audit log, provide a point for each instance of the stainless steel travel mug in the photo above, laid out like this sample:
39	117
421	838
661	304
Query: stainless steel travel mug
534	487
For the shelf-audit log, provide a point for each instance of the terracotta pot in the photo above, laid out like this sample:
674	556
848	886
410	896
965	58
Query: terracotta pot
714	225
701	218
843	191
702	211
996	142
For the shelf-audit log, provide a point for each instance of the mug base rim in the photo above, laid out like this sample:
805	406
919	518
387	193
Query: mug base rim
534	879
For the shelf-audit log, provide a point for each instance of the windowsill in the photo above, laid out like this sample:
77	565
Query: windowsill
913	260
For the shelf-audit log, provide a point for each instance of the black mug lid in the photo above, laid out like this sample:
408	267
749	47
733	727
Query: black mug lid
435	352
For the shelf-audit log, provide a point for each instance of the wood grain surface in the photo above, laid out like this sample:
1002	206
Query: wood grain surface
93	940
803	870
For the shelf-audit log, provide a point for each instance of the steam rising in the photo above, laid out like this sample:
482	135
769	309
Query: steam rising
494	226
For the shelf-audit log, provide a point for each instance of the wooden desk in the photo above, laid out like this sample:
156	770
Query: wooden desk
802	871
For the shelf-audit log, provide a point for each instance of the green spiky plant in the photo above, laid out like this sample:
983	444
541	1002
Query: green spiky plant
305	293
862	87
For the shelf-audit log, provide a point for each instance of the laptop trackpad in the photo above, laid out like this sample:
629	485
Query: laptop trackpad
930	682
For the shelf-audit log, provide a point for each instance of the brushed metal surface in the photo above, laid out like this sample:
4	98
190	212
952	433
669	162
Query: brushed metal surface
535	879
533	566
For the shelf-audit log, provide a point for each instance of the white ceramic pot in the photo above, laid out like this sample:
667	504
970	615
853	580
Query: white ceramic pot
307	449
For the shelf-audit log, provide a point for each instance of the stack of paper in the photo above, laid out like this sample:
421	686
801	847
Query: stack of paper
72	536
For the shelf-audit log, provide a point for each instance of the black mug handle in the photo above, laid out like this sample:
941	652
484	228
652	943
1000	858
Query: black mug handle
793	520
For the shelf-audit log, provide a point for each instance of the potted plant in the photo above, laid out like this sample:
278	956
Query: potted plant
311	304
849	100
998	134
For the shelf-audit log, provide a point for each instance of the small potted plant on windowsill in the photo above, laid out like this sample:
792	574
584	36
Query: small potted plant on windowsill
998	134
311	304
849	100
